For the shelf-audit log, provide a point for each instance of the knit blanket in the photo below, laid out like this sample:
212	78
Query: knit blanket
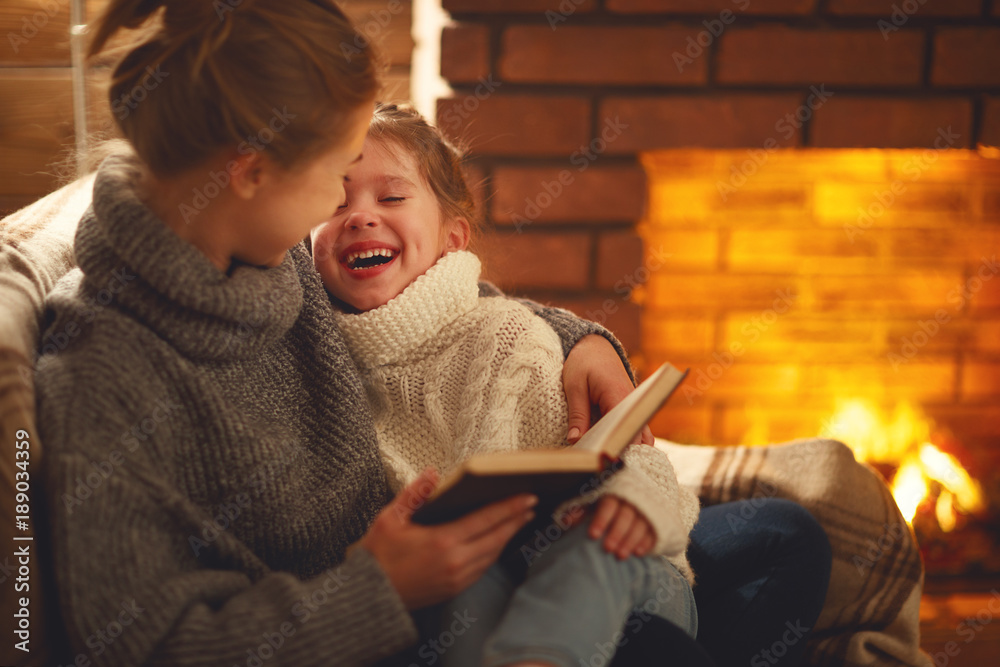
36	250
871	613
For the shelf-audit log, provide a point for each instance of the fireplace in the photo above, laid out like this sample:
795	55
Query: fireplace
799	199
843	292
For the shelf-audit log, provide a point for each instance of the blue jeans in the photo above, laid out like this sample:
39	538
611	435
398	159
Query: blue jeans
570	610
762	569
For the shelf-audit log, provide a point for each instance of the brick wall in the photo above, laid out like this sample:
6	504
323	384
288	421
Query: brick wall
819	275
559	99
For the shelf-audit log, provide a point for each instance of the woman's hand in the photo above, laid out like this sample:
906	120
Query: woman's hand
594	375
625	530
429	564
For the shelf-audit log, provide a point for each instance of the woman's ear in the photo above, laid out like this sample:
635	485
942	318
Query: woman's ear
247	173
458	234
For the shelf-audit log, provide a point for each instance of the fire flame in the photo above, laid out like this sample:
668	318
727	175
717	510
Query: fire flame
904	439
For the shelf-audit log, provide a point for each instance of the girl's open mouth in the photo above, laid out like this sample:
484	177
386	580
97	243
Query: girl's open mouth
363	260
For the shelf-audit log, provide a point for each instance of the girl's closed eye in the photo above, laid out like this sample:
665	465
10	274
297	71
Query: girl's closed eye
393	199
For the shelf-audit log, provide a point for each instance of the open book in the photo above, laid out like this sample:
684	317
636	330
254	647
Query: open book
554	475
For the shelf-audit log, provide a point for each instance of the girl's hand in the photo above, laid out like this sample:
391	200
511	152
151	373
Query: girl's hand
626	532
594	375
429	564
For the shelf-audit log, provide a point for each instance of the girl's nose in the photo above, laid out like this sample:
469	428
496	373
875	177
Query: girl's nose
359	219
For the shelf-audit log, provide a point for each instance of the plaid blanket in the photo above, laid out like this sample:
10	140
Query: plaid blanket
871	614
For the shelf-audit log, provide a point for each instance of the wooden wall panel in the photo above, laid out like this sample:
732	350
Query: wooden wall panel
36	104
36	127
35	33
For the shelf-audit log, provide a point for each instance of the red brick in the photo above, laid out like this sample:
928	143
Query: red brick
509	6
990	132
711	6
991	204
615	312
465	52
906	292
985	337
596	194
938	246
966	57
781	55
632	55
884	8
535	260
983	284
683	425
716	121
749	423
620	263
517	124
802	337
681	249
667	334
890	123
787	250
980	379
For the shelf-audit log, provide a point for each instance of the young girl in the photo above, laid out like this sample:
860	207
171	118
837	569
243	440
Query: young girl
210	453
451	373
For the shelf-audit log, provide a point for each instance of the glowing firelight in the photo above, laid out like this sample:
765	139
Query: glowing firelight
944	510
909	488
903	439
945	469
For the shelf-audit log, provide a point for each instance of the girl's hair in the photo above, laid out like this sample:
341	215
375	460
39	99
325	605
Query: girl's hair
273	75
438	159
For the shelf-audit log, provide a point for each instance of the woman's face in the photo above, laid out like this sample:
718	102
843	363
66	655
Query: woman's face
293	202
388	232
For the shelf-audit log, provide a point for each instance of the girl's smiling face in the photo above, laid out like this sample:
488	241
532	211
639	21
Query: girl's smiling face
388	232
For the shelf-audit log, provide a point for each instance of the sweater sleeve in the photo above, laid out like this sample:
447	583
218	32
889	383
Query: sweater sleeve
132	588
648	482
567	326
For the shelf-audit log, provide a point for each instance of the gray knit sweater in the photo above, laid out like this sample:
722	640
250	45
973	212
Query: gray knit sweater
211	455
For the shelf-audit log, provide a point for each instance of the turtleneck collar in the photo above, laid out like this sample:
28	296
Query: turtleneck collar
390	333
171	286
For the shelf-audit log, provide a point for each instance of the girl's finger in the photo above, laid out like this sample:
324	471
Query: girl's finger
606	511
640	529
620	527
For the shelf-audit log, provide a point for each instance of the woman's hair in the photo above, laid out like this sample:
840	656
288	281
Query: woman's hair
272	75
438	159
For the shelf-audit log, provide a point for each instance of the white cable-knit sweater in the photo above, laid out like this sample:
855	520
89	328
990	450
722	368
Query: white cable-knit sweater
451	374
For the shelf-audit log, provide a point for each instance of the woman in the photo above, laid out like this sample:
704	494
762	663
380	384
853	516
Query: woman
211	452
